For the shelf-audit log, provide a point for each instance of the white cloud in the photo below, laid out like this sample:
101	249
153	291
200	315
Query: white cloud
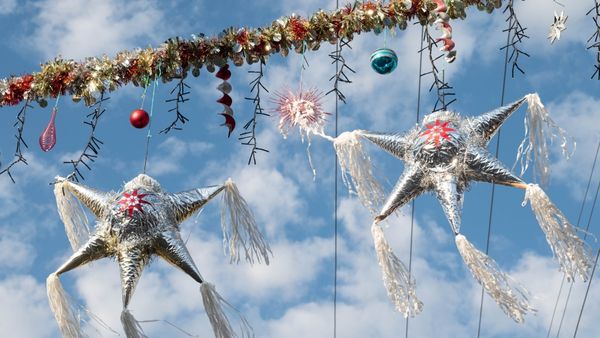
576	113
7	6
77	29
24	311
16	254
172	152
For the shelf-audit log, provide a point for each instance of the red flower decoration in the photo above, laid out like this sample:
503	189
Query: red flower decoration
17	89
133	201
298	28
435	131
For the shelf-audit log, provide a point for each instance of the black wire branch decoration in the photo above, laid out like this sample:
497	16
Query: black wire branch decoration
517	34
443	88
18	157
248	137
340	74
595	38
92	147
182	89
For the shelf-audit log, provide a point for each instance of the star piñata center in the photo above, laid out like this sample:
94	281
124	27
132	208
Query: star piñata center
133	201
435	131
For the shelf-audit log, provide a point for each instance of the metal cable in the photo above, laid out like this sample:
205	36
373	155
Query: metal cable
335	193
489	230
412	212
587	188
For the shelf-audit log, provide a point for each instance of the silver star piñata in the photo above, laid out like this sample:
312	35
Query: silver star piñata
443	155
139	223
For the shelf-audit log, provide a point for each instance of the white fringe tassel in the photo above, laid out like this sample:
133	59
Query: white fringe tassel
131	326
356	163
64	311
540	129
72	214
240	229
213	304
510	296
573	255
400	286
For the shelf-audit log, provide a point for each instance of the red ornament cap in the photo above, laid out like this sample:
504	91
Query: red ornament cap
226	100
139	118
224	73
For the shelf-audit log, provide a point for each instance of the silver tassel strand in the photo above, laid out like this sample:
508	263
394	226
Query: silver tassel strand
64	311
72	215
131	326
510	296
356	169
213	304
540	130
240	229
572	253
399	285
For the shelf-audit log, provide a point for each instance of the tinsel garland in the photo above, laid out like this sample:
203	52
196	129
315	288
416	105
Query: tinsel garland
176	57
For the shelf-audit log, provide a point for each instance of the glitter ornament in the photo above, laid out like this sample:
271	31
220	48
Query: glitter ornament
303	110
384	60
225	87
142	222
139	118
48	137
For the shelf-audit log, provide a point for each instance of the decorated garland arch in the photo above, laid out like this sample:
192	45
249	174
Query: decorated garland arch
443	154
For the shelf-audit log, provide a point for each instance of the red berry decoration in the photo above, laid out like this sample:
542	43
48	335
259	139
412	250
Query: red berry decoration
139	118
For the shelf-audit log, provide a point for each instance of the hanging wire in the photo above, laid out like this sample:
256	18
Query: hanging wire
587	290
149	135
335	186
412	212
493	193
587	188
584	238
20	144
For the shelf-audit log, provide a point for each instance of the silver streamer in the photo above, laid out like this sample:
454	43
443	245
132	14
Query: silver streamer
444	154
240	229
131	326
572	253
540	130
357	174
64	311
399	284
215	305
140	222
510	296
72	215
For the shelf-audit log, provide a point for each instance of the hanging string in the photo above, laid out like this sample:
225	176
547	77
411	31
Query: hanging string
587	188
149	135
587	290
493	193
584	238
335	187
412	212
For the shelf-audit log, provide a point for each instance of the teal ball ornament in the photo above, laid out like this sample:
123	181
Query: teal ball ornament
384	60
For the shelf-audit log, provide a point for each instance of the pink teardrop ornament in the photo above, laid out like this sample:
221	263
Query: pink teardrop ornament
48	137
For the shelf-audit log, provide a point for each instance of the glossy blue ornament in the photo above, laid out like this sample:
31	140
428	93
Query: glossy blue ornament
384	60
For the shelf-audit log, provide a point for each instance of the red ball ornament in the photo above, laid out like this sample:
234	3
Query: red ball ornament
139	118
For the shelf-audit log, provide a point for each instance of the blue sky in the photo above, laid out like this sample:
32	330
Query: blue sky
293	296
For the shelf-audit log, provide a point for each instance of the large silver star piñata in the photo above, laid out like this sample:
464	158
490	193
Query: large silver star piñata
443	155
143	221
